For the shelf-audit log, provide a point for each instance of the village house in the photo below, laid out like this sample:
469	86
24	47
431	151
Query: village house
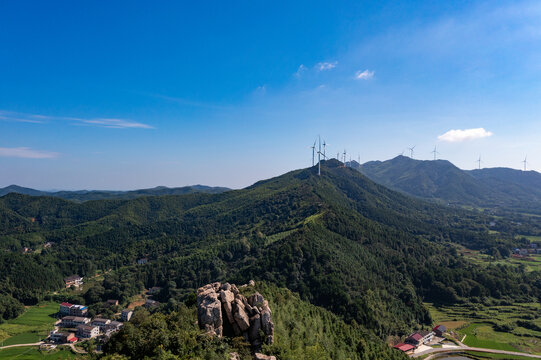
439	330
73	321
73	280
101	323
65	308
112	327
112	302
126	315
407	348
71	309
87	331
62	337
419	338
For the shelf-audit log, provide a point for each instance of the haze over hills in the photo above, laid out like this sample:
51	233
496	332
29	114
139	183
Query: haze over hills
441	180
86	195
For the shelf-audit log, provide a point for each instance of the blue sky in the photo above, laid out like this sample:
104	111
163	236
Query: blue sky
123	95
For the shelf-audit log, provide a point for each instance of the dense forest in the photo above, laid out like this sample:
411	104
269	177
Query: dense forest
368	254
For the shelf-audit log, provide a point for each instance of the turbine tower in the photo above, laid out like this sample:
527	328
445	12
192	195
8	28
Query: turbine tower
345	164
319	158
313	152
435	152
525	162
479	162
324	147
411	151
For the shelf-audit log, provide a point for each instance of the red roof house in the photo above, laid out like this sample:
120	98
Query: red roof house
404	347
439	330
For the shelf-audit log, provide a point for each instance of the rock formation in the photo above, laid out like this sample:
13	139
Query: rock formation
222	306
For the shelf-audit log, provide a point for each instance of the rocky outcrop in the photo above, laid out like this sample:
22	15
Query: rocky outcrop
221	307
259	356
209	310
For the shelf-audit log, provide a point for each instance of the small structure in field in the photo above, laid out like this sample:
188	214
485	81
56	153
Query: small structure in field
73	280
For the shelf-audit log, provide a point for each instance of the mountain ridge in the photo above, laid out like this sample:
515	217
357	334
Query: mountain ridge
87	195
441	180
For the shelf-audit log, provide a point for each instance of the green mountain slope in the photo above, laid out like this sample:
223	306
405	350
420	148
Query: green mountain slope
441	180
525	186
343	242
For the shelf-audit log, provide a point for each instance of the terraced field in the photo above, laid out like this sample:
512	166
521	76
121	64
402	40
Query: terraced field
32	326
512	327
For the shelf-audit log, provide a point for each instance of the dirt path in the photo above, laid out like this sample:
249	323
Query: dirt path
21	345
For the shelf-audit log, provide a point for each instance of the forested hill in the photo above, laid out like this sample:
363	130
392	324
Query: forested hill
340	240
86	195
441	180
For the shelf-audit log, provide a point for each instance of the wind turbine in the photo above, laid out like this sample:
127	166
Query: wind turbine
435	152
525	162
479	162
324	147
402	153
319	158
313	152
411	151
345	164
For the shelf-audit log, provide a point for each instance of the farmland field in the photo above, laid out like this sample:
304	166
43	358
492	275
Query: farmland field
31	326
484	325
33	353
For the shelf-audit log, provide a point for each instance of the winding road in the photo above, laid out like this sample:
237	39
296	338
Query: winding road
454	349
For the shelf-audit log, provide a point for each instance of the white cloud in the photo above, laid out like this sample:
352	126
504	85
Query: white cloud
464	135
364	75
102	122
301	70
322	66
27	153
116	123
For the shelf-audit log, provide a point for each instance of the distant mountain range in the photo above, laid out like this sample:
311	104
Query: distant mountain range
441	180
86	195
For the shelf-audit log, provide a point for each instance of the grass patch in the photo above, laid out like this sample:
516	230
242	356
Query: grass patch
483	336
31	326
279	236
32	353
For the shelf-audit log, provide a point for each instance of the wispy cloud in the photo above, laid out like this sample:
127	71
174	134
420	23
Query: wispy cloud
116	123
27	153
25	118
459	135
364	75
300	71
322	66
101	122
